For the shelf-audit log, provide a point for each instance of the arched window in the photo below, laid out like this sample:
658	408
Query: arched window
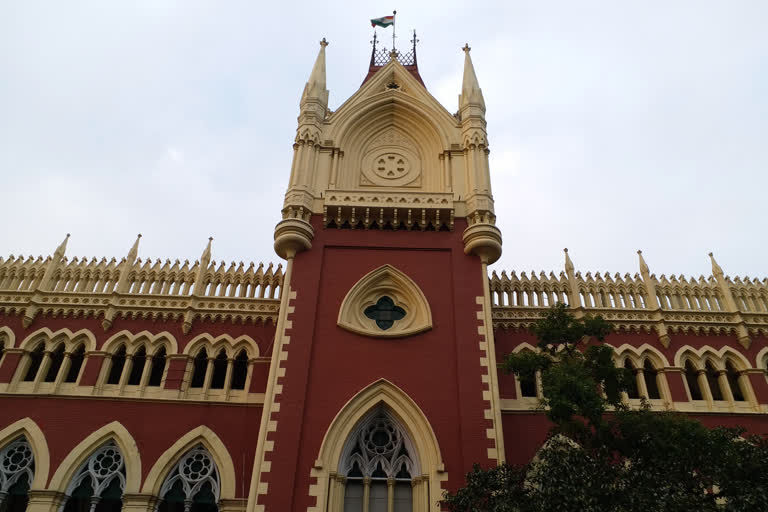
651	376
35	360
192	485
527	385
137	367
240	370
17	469
100	481
57	358
158	368
733	381
378	462
2	348
118	363
75	363
714	386
632	390
692	378
199	367
219	370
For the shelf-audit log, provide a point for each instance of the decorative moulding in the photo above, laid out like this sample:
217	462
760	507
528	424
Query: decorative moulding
385	281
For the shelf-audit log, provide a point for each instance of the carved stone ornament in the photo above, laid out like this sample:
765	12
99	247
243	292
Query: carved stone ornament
385	282
391	161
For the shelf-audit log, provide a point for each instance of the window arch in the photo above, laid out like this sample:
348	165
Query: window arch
100	481
712	381
240	370
193	485
116	369
57	359
379	463
17	470
158	368
632	389
692	378
732	375
651	376
138	362
199	366
219	375
35	360
76	362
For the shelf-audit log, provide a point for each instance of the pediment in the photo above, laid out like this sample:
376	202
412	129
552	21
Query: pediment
389	286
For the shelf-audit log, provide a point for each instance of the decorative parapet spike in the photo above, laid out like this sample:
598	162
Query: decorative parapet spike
139	288
643	301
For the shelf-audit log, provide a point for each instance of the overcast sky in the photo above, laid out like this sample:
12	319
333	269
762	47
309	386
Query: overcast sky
612	126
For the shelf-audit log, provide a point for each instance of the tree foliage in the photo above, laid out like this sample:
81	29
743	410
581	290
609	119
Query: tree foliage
601	455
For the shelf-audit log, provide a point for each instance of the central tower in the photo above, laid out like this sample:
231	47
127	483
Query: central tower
384	327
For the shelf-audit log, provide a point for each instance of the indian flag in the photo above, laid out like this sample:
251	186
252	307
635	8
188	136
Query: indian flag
383	22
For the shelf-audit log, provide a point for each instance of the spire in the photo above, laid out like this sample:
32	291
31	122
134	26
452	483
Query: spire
205	258
315	88
471	94
568	263
716	269
134	252
643	266
61	249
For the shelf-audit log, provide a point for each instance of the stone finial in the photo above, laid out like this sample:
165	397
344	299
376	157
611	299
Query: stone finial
134	252
643	266
62	248
315	88
471	94
716	269
206	256
568	263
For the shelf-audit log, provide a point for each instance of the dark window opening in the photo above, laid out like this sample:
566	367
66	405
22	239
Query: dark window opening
692	378
219	370
137	369
35	360
632	391
158	368
240	370
714	386
199	365
651	375
385	313
733	381
57	358
118	363
75	363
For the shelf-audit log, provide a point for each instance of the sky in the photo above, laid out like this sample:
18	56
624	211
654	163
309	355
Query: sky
613	126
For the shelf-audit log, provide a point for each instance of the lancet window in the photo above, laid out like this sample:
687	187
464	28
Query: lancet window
193	485
214	372
75	363
35	360
17	469
379	465
99	483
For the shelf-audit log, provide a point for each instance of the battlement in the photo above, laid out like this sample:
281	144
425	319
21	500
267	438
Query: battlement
714	304
137	288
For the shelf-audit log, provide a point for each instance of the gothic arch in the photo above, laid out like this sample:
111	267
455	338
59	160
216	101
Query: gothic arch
716	355
404	292
760	359
80	453
200	435
132	340
68	336
232	345
410	416
640	352
8	335
34	435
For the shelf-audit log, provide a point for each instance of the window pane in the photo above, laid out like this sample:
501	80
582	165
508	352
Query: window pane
353	496
651	380
403	497
137	369
691	377
118	362
76	362
378	496
158	367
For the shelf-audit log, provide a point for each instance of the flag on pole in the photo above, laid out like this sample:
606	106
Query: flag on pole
383	22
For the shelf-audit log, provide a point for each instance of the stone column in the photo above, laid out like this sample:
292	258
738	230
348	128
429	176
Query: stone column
45	501
139	502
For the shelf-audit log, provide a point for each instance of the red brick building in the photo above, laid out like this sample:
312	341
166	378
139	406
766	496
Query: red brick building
363	375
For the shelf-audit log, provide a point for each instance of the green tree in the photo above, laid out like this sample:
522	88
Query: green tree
601	455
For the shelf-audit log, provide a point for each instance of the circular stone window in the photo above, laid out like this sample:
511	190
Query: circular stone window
391	166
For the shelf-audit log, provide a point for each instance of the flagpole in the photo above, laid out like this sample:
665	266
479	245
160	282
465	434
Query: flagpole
394	16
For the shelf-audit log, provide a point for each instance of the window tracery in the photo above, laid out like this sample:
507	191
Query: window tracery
193	485
17	467
99	483
378	463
